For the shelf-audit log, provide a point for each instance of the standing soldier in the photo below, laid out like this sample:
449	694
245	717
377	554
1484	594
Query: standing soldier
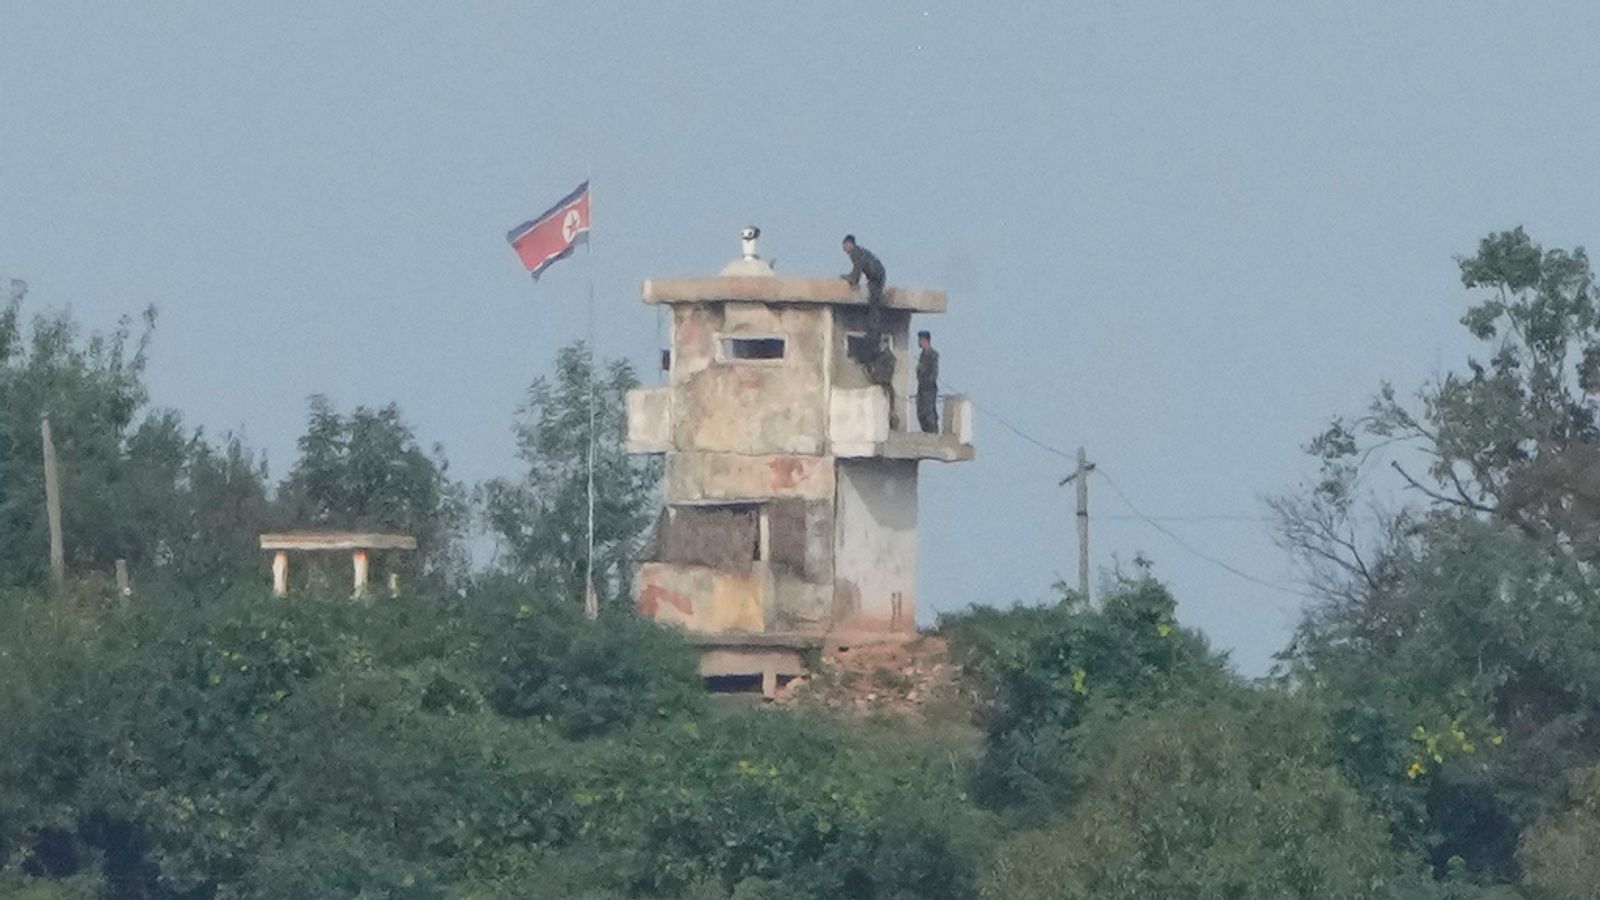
927	384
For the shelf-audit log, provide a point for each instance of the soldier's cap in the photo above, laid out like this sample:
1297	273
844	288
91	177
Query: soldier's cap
924	334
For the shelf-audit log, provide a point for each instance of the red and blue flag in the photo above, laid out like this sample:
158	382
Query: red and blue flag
550	237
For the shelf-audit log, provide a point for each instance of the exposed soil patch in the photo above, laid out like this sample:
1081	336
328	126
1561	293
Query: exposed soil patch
915	678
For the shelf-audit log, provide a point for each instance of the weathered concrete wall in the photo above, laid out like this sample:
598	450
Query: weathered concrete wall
694	345
693	477
957	419
802	564
801	606
649	420
751	406
858	421
875	545
703	599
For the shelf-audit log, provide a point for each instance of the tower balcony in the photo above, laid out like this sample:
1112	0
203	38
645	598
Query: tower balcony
858	427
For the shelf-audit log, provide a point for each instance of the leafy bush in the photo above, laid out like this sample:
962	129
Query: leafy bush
1043	671
1231	798
546	661
812	807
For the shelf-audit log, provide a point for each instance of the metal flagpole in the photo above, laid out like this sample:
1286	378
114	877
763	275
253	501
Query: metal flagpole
591	601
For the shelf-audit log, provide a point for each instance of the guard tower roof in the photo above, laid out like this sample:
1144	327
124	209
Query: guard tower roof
772	289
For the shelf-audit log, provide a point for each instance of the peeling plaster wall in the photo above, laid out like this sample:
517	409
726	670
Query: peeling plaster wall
749	406
717	477
875	545
650	420
802	564
699	598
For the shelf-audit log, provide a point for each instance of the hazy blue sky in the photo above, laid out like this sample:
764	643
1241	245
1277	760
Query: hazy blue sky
1181	234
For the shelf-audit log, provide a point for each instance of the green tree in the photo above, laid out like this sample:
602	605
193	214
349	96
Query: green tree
90	389
1456	639
1559	854
541	519
199	507
1515	437
366	470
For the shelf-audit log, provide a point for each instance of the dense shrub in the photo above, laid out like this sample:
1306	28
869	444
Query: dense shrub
1043	671
1234	797
816	808
547	661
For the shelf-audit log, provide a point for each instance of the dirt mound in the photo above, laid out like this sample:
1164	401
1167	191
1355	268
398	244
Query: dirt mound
908	678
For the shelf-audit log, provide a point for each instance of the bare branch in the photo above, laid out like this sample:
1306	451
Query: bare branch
1435	495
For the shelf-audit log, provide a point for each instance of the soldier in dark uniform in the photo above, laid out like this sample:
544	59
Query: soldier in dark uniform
927	384
862	262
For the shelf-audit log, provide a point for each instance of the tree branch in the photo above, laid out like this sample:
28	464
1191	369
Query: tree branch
1435	495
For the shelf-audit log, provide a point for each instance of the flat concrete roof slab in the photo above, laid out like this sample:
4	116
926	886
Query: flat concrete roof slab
769	289
337	540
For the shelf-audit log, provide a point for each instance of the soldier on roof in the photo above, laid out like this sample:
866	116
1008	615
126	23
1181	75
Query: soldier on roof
864	263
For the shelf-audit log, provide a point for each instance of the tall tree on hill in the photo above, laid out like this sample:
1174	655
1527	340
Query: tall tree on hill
366	470
1458	638
541	519
1515	436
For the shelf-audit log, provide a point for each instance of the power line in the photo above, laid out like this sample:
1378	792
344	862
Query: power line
1010	427
1152	521
1186	546
1197	518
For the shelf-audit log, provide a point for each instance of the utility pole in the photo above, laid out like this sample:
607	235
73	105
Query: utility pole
52	506
1081	476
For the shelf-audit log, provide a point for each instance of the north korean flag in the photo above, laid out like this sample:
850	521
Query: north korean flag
551	236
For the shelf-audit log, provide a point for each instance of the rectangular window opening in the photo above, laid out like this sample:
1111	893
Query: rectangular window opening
856	345
753	348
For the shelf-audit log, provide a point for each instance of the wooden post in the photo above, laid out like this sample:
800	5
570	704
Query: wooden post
359	563
280	573
124	589
52	505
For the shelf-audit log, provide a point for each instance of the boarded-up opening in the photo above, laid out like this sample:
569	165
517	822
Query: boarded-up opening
753	348
725	537
786	529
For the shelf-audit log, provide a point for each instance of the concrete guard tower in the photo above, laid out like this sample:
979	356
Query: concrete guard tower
790	519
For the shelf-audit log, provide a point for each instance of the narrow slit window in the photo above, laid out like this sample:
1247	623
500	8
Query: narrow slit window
753	348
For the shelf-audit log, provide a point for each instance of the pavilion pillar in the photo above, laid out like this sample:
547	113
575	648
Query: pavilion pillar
280	573
359	561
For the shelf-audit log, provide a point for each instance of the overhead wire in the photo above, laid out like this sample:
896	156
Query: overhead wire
1139	515
1008	426
1173	536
